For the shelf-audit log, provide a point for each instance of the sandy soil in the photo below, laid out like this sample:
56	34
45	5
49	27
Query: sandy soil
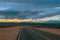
51	30
9	33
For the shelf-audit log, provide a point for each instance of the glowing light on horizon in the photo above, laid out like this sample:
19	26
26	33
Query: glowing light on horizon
14	20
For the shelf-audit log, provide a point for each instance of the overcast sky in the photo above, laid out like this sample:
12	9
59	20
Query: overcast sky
49	8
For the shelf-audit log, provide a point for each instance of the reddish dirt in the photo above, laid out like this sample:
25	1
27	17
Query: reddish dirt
51	30
9	33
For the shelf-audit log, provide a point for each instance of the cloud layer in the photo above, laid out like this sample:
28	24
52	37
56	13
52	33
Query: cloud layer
29	10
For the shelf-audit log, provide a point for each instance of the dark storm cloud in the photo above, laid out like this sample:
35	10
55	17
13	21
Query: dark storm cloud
35	1
44	8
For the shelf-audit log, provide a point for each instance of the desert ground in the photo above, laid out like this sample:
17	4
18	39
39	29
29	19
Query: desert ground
10	33
51	30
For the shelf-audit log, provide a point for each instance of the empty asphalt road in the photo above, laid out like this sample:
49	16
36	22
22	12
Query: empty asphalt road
35	34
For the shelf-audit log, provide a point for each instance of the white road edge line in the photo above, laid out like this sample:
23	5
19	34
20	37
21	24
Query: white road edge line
20	34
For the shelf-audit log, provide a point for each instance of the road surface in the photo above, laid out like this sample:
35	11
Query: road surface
35	34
